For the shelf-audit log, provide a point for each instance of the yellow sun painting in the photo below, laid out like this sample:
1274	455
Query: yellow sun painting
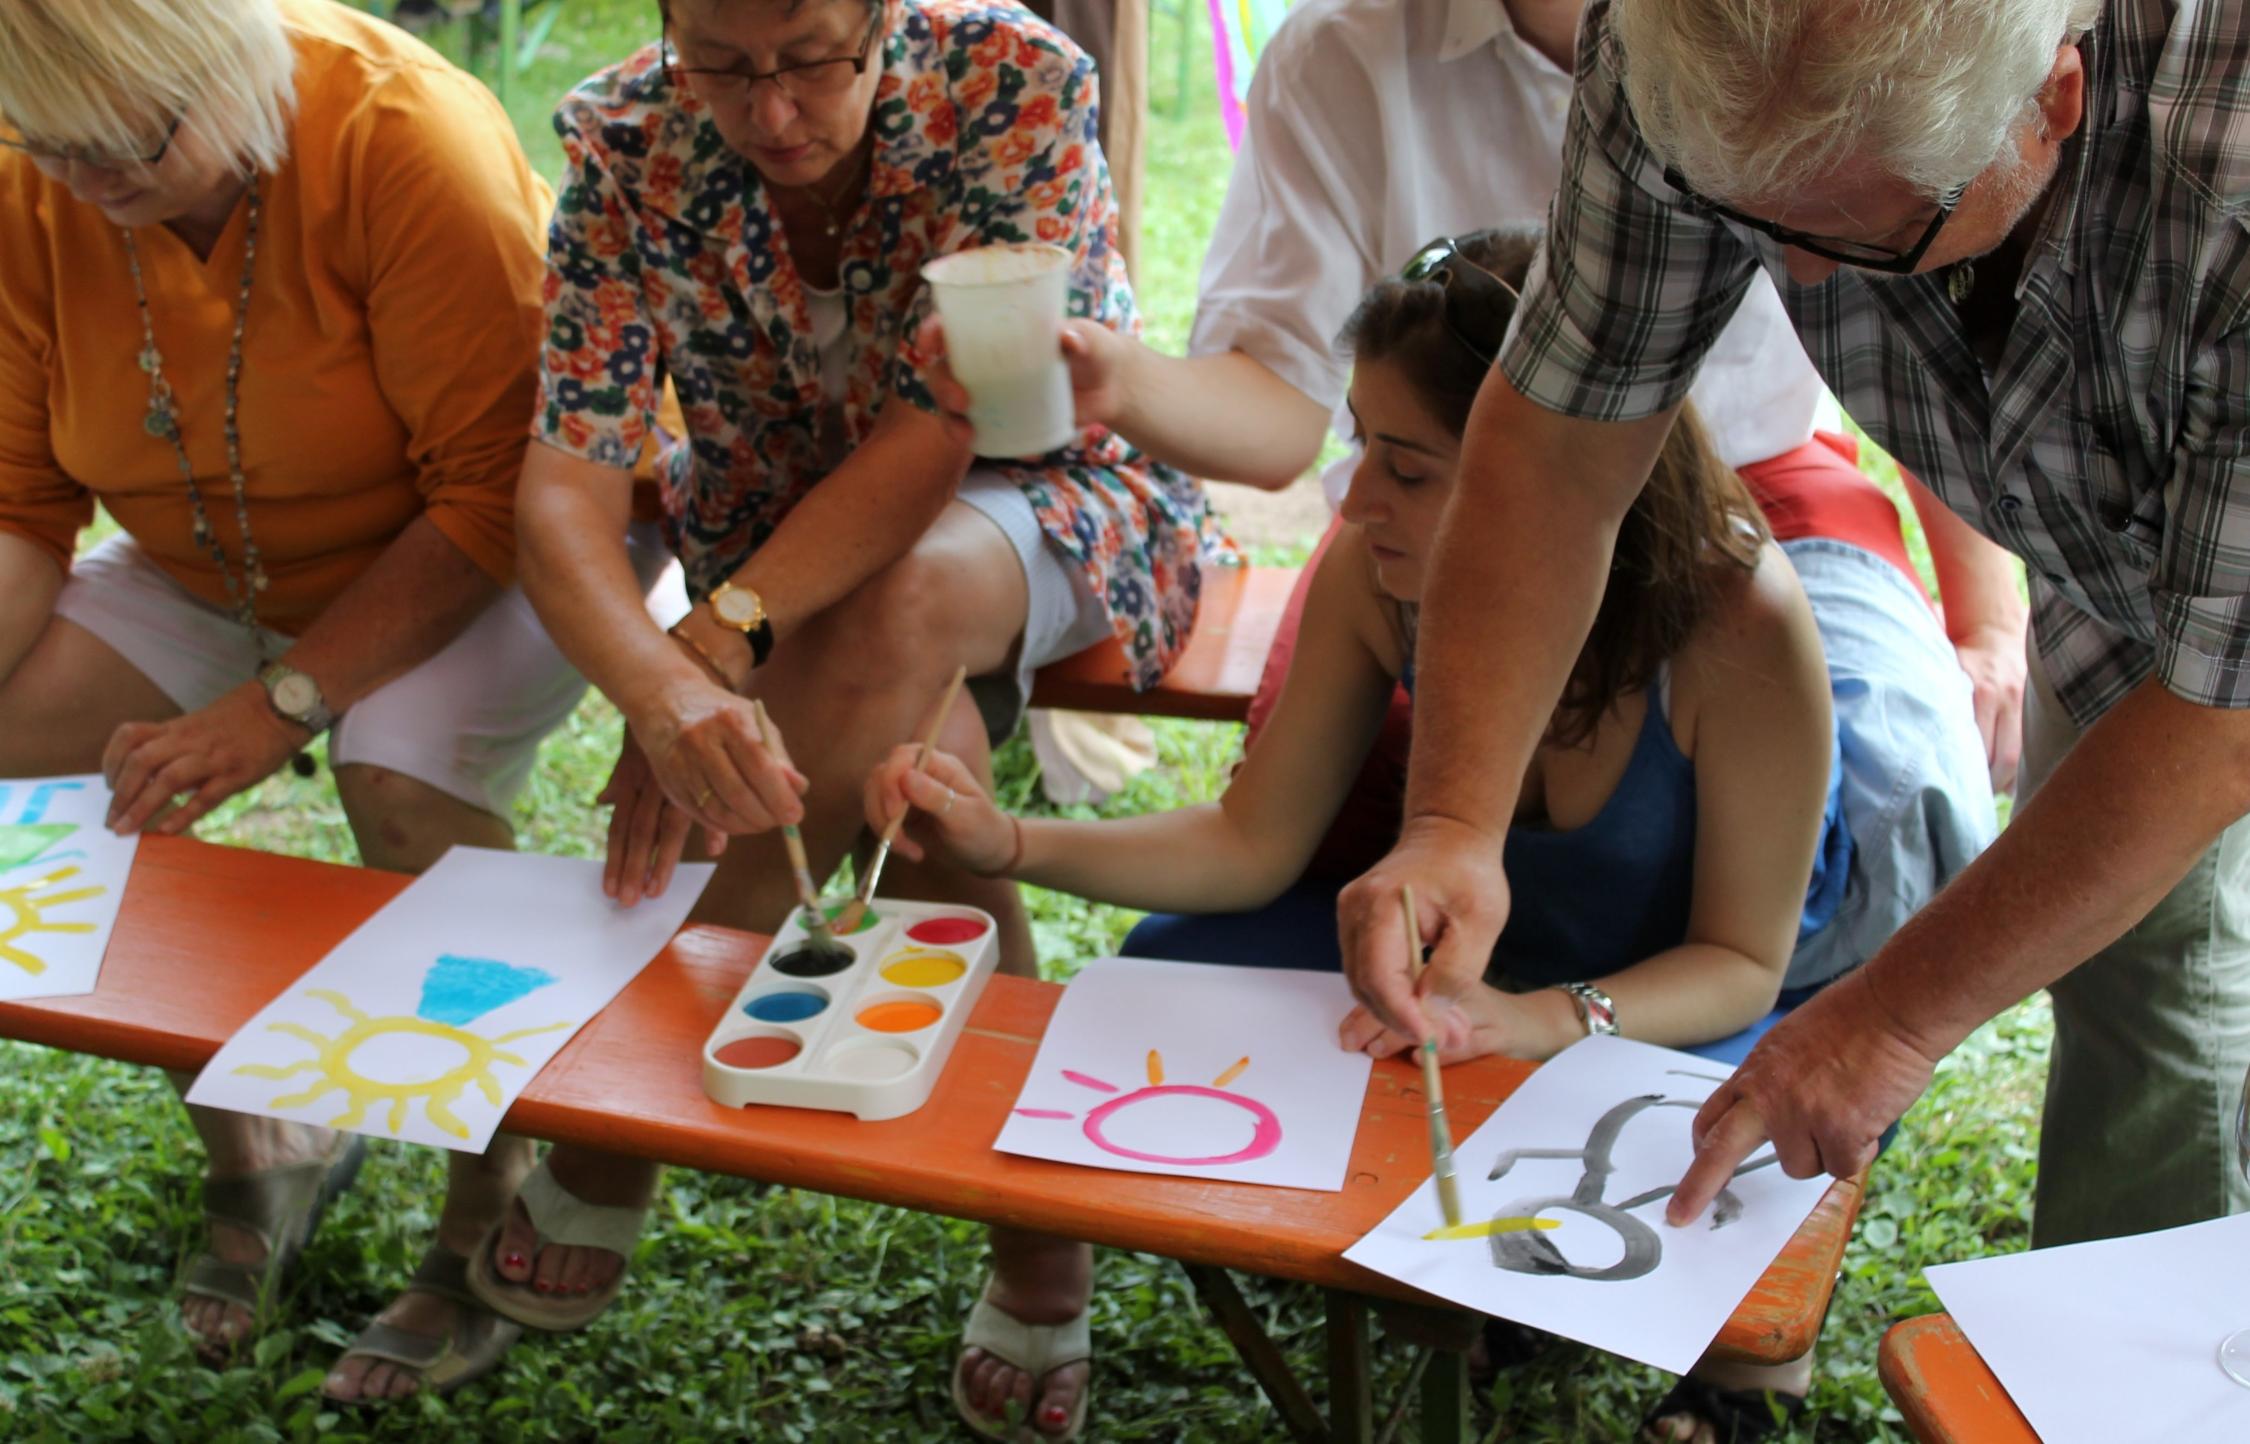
437	1087
24	908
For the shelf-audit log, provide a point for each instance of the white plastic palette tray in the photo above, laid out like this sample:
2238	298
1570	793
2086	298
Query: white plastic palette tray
866	1035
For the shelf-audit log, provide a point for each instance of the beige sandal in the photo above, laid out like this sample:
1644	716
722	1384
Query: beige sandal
1035	1349
280	1207
470	1349
560	1217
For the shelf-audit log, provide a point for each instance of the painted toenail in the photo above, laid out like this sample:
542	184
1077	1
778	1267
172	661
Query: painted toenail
1056	1414
544	1287
514	1261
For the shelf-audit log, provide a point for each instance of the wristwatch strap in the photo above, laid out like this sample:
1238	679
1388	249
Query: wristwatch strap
315	718
1595	1009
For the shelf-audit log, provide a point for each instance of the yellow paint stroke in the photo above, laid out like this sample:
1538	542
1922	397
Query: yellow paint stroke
30	905
1231	1074
1488	1227
331	1061
1155	1069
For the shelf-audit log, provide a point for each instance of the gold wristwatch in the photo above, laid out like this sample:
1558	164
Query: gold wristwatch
744	611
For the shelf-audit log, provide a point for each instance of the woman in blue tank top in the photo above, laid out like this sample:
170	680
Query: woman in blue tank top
1673	816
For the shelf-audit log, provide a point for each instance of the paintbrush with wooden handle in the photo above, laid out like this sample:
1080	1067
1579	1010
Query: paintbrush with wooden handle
1441	1134
849	918
816	921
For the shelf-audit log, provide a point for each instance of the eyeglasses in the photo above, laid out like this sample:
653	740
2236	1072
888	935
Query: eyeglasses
1866	257
1478	304
812	77
13	139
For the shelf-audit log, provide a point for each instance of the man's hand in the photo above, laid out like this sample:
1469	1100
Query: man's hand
1993	658
1460	901
703	744
208	756
1823	1085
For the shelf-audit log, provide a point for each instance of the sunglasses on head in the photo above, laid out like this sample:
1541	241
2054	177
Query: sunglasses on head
1478	304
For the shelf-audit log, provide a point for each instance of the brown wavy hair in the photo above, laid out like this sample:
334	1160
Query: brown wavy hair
1693	525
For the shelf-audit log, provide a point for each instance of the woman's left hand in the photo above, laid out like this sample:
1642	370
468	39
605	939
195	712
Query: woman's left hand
210	754
1363	1032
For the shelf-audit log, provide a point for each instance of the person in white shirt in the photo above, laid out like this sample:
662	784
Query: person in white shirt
1376	125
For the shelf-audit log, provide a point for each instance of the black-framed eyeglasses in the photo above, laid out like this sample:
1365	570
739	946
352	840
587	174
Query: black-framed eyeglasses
810	77
1478	304
1866	257
13	139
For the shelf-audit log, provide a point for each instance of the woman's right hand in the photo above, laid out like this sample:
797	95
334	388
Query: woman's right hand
956	820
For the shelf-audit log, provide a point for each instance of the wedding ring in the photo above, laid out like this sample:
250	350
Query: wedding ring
703	798
949	798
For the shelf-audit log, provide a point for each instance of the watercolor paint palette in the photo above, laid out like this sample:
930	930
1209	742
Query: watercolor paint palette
866	1032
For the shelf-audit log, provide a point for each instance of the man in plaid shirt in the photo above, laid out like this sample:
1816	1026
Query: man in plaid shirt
2011	234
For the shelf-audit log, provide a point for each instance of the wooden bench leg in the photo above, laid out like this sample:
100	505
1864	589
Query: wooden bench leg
1446	1417
1259	1353
1351	1396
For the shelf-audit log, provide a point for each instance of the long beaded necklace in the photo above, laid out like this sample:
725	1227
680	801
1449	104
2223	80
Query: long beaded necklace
163	419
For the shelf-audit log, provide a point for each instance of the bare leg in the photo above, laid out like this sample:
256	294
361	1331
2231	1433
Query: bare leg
1794	1377
405	825
70	692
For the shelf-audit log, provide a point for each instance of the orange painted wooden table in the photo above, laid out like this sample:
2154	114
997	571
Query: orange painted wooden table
208	935
1944	1388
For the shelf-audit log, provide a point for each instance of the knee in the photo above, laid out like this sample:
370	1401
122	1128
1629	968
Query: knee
403	824
901	625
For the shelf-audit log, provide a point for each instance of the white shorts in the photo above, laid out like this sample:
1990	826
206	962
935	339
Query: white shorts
1063	616
468	721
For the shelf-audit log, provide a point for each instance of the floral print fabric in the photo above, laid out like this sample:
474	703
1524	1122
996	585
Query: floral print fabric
665	259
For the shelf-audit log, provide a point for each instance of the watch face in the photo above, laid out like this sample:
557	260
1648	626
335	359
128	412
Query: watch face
738	608
295	694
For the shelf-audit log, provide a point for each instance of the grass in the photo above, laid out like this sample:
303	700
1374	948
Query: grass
770	1314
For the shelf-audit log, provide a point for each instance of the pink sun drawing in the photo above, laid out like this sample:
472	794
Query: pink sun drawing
1265	1131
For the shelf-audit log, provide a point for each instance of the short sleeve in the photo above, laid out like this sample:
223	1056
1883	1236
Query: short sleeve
1294	246
1633	285
2200	587
452	214
38	502
1036	175
599	369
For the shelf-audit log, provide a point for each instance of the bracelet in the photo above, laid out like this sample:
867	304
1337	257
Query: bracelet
703	655
1015	854
1595	1009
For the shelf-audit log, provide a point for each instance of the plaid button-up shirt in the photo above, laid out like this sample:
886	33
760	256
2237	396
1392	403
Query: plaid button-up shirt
2107	448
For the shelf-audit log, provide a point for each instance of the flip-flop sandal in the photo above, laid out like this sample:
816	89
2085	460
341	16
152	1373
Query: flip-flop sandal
1035	1349
470	1349
1736	1416
280	1207
560	1217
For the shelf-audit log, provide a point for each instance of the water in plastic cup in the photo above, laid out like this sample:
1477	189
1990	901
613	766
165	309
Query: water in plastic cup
1003	311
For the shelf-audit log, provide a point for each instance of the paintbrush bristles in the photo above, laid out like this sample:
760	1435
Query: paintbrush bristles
850	916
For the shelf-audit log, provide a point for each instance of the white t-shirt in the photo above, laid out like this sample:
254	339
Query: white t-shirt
1377	126
831	326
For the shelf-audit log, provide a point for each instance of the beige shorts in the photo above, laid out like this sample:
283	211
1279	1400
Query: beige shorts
468	721
1062	617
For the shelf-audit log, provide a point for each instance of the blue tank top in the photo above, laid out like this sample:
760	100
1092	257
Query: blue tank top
1588	901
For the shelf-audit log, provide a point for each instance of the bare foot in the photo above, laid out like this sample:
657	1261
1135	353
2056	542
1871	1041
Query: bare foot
1688	1428
571	1270
1036	1279
252	1146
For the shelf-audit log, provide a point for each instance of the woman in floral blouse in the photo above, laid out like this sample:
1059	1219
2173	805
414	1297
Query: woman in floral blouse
746	214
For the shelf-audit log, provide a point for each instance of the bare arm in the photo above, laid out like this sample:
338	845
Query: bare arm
411	601
30	581
1521	562
1985	619
1225	417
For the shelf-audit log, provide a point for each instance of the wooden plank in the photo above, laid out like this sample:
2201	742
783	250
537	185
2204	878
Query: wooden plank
207	935
1215	677
1944	1388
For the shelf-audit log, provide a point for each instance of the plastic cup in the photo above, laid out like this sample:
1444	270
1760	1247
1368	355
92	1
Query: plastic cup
1003	310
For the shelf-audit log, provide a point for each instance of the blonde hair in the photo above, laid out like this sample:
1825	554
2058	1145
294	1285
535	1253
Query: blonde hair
109	75
1752	99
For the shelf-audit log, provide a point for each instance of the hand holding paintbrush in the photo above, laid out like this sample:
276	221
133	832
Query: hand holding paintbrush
850	916
1433	1088
816	921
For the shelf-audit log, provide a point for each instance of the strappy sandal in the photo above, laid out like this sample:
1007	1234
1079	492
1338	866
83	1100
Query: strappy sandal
560	1217
1035	1349
280	1207
1736	1416
469	1350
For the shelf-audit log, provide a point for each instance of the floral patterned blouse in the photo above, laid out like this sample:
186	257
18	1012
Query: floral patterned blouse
665	259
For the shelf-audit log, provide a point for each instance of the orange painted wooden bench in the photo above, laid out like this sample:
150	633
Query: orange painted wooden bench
207	935
1215	677
1944	1388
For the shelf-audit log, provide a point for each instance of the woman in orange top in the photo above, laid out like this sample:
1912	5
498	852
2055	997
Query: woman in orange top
269	291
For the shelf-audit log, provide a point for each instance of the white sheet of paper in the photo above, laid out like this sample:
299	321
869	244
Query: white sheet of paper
2100	1342
1641	1288
1198	1070
62	875
427	1022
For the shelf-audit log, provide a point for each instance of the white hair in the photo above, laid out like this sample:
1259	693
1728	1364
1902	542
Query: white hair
111	75
1752	99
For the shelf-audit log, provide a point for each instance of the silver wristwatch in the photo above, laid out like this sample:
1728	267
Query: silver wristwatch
1595	1009
295	697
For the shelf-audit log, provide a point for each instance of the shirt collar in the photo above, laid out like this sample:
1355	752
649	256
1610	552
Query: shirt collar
1471	25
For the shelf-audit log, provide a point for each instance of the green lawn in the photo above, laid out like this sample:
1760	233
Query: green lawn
762	1313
